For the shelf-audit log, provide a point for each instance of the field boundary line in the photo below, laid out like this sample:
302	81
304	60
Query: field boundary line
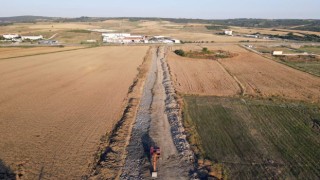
46	53
241	86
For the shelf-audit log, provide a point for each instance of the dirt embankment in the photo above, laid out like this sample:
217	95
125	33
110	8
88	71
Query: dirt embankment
54	108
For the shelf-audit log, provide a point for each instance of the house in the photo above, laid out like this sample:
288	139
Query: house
228	32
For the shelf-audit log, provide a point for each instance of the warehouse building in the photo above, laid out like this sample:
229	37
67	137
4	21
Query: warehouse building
11	36
32	38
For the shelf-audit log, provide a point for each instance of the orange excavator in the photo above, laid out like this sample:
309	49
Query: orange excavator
154	156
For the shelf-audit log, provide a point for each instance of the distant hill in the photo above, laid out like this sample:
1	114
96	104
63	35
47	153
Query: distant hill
296	24
20	19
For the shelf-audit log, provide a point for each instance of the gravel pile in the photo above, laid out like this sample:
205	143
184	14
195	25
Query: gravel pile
173	113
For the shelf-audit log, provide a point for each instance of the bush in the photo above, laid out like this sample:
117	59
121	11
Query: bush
205	50
180	52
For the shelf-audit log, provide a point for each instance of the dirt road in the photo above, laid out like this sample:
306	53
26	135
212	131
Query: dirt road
158	123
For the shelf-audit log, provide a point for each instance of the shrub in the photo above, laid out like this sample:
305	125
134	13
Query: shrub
180	52
204	50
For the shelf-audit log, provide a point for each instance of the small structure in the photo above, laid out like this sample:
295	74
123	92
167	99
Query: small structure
48	42
251	36
277	53
91	41
228	32
176	41
11	36
32	38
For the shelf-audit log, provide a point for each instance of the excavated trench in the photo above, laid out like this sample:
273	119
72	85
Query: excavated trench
158	122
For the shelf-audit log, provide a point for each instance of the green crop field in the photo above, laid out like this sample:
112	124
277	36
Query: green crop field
311	49
257	139
310	67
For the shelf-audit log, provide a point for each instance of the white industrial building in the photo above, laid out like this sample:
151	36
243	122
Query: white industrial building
228	32
126	38
123	38
11	36
163	39
32	38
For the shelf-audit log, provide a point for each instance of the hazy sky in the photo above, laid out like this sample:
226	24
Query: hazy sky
207	9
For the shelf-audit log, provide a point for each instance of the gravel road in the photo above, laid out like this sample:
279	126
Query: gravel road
158	123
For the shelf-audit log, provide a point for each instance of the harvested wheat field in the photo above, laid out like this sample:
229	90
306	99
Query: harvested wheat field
256	75
54	108
201	76
11	52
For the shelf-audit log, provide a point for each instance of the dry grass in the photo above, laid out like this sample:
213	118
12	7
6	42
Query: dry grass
204	77
54	108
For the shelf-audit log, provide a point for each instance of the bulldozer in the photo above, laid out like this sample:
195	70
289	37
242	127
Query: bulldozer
154	156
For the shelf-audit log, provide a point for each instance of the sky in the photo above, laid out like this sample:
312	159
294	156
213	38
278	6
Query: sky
203	9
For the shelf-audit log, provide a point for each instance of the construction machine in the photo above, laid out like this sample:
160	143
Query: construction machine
154	156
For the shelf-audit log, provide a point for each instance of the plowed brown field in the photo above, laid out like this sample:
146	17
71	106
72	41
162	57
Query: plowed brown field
199	76
257	75
54	108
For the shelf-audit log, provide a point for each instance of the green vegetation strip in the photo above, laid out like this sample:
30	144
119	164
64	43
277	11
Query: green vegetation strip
256	139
